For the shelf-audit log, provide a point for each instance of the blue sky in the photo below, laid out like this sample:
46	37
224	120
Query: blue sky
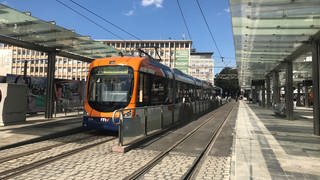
146	19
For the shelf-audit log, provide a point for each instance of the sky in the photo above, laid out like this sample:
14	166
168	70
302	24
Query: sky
146	19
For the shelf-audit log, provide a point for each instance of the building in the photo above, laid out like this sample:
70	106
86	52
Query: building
5	61
14	59
173	53
201	66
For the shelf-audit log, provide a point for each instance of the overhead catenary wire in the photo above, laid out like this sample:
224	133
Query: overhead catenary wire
184	19
205	20
87	18
105	20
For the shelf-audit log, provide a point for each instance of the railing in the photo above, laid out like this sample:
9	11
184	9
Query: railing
138	123
68	106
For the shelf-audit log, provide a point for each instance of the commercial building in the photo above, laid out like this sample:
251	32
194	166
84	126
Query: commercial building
173	53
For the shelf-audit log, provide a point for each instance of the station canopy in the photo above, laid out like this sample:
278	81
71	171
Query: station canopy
268	32
21	29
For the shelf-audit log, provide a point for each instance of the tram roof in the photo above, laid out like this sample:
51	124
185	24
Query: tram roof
23	30
270	32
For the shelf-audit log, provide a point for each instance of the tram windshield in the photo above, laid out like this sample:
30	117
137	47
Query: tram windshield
110	87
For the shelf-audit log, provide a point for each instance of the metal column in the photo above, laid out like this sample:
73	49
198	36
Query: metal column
316	86
50	79
289	91
254	94
306	99
298	94
263	94
268	91
276	92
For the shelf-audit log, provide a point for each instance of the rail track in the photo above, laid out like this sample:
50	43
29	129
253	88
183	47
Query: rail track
45	148
15	171
197	162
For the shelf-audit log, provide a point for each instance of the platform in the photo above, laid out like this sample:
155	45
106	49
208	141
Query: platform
271	147
37	127
259	146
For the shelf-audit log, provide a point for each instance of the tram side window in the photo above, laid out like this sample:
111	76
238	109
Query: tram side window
152	90
143	98
199	97
159	90
182	92
179	92
169	98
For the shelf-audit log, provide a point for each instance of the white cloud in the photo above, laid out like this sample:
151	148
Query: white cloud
157	3
227	10
129	13
5	2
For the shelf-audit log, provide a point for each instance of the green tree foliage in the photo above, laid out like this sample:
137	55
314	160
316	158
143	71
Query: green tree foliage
227	79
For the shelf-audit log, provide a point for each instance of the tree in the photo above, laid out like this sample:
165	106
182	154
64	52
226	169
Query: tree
227	79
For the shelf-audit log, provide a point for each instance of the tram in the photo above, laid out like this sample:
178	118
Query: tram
129	82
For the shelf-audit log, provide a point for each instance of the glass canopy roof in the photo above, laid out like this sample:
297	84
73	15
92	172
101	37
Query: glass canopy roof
266	32
23	27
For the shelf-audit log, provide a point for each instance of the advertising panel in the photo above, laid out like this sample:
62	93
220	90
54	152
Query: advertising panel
68	93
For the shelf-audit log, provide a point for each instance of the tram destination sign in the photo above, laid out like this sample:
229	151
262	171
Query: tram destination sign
257	82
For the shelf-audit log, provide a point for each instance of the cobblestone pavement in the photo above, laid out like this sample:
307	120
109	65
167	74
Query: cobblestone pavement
25	160
215	168
95	163
42	144
173	166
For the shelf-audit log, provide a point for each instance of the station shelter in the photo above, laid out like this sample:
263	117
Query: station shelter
23	30
277	46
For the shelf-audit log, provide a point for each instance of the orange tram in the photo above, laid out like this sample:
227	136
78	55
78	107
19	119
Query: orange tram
129	82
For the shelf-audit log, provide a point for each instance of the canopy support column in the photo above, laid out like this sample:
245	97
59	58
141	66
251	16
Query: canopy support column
316	85
50	83
298	94
289	92
263	94
268	92
276	92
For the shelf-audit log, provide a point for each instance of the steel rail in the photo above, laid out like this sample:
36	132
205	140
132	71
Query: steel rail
199	160
18	155
139	172
23	169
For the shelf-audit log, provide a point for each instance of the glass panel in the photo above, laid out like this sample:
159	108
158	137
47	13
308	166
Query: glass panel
167	115
269	31
154	119
26	28
194	108
177	112
133	128
110	87
201	107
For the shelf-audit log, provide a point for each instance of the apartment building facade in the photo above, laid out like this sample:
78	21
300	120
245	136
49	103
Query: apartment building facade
202	66
16	58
